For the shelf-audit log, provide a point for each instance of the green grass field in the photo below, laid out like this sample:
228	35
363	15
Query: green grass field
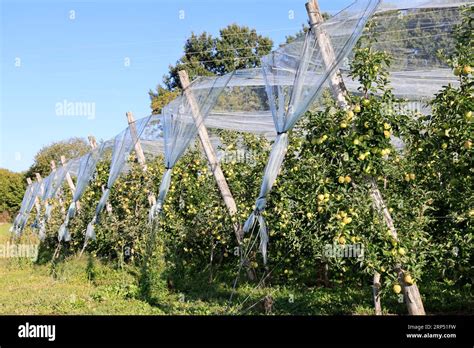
88	286
4	230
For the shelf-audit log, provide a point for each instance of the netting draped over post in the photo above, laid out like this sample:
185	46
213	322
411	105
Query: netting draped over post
123	144
179	126
19	220
294	76
32	193
85	171
72	168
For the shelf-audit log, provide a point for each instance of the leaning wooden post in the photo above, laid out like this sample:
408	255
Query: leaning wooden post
37	206
412	294
93	145
210	153
72	187
139	151
60	199
70	183
92	142
39	179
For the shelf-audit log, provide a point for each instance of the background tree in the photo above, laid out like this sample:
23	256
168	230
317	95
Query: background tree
237	47
71	148
12	187
160	98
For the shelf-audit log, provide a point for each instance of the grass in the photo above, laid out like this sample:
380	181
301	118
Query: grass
4	230
87	285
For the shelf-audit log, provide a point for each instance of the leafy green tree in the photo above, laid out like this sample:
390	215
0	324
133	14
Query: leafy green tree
71	148
236	47
161	98
198	60
239	47
12	186
442	157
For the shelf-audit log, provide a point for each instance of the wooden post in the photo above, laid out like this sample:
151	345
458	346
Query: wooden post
60	199
92	142
376	293
70	183
93	145
139	151
412	295
39	179
327	52
410	291
37	203
210	153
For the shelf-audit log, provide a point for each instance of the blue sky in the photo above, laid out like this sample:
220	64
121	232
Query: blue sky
107	54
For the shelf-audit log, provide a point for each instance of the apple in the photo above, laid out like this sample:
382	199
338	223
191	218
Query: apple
397	289
347	179
357	108
350	114
343	125
467	70
457	71
401	251
468	115
366	102
356	142
467	144
342	240
444	146
387	134
408	279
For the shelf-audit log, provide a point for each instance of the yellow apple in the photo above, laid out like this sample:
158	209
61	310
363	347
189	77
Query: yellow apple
397	289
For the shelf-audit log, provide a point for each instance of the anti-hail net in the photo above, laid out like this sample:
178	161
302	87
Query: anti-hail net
270	100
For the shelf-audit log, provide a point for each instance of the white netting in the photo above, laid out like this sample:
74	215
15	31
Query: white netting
270	100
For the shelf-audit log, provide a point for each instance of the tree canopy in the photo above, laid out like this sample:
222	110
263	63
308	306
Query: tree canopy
71	148
12	187
236	47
